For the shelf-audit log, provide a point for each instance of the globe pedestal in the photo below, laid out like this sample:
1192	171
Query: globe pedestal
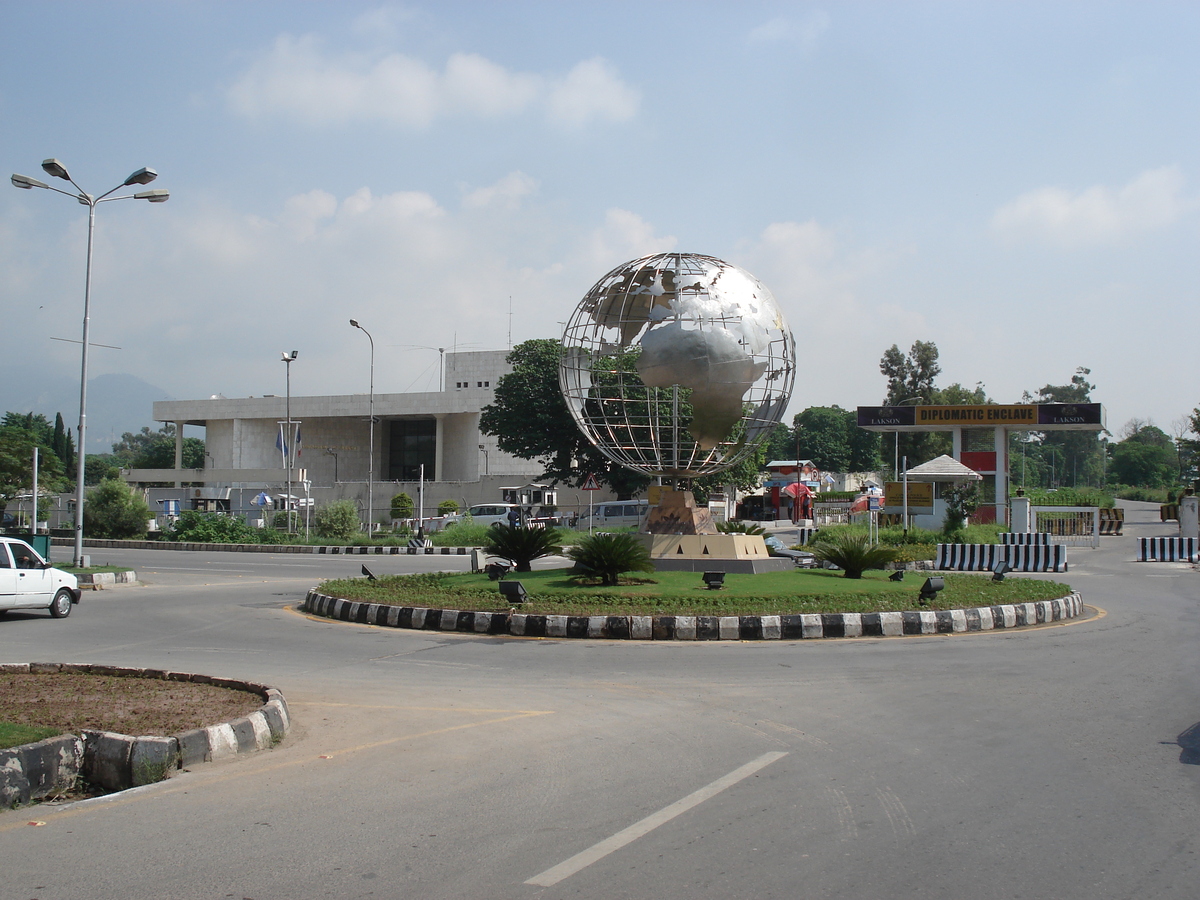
741	554
681	537
677	513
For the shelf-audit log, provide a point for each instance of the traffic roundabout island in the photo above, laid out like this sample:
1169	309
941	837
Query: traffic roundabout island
801	626
115	762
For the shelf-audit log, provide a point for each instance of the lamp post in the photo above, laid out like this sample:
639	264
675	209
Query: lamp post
58	170
371	434
288	358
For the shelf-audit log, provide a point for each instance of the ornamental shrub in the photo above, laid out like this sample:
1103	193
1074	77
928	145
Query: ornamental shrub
337	520
522	545
217	528
854	554
735	526
608	555
402	506
113	510
447	507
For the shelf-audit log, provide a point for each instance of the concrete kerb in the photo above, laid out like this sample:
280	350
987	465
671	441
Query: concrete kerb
699	628
119	761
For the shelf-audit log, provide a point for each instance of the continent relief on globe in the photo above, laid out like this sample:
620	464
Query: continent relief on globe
712	363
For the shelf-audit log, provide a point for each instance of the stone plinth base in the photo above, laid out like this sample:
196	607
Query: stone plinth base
741	553
729	566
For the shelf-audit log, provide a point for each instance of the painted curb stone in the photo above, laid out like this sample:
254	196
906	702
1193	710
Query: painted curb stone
804	626
119	761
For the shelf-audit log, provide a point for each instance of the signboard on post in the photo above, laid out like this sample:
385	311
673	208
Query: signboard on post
590	483
920	496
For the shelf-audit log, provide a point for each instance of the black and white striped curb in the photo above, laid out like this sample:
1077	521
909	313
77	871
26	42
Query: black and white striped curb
331	550
698	628
119	761
1167	549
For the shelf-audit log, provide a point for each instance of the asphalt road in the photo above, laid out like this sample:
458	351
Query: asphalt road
1048	763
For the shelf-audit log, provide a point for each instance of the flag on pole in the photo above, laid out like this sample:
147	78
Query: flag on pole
296	444
281	442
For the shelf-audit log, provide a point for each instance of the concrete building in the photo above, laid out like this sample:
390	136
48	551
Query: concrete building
436	430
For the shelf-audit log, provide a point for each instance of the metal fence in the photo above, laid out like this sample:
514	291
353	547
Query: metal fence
1073	526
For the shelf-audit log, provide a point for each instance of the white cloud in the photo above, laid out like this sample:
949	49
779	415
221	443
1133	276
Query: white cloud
298	79
624	236
507	193
592	91
784	29
1098	214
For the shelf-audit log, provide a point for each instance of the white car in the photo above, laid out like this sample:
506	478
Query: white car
29	582
483	514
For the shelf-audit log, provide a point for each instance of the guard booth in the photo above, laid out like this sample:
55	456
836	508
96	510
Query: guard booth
980	435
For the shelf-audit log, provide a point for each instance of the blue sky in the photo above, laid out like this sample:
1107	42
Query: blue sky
1017	182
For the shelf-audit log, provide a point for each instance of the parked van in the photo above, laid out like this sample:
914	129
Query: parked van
615	514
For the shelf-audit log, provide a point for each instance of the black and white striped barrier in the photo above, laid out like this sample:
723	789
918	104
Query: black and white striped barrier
985	557
1033	537
1167	549
393	550
699	628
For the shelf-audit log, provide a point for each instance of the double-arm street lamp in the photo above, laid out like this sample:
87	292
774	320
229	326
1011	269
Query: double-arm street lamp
58	170
371	434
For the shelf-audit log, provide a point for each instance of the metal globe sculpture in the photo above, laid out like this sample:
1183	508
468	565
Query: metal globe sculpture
677	364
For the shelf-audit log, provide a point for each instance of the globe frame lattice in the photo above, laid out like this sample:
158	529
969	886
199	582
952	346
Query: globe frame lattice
677	365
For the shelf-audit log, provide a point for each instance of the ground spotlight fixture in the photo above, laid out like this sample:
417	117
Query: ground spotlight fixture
930	588
898	575
496	571
370	575
1000	571
714	580
513	590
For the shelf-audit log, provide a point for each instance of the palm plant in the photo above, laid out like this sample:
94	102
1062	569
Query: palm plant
854	554
608	555
734	526
522	545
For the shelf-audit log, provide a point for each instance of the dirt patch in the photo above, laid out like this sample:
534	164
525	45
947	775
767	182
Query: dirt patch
74	702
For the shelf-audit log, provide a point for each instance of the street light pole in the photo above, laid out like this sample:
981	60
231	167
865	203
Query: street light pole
58	170
289	449
371	434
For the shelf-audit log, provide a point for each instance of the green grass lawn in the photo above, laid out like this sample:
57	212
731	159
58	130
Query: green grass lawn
16	735
554	592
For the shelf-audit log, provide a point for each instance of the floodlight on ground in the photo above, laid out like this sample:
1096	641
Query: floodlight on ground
930	588
496	571
513	590
898	575
370	575
714	580
1000	571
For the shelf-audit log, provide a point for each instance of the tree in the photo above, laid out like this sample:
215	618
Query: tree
910	378
530	420
910	382
156	450
1145	458
402	506
19	434
822	436
1076	455
113	510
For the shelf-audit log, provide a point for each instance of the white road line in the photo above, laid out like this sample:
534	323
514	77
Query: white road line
598	851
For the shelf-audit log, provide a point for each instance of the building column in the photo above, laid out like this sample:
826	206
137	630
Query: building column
1001	475
178	450
439	448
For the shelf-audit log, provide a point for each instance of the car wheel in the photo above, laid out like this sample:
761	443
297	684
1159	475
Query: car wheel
61	607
